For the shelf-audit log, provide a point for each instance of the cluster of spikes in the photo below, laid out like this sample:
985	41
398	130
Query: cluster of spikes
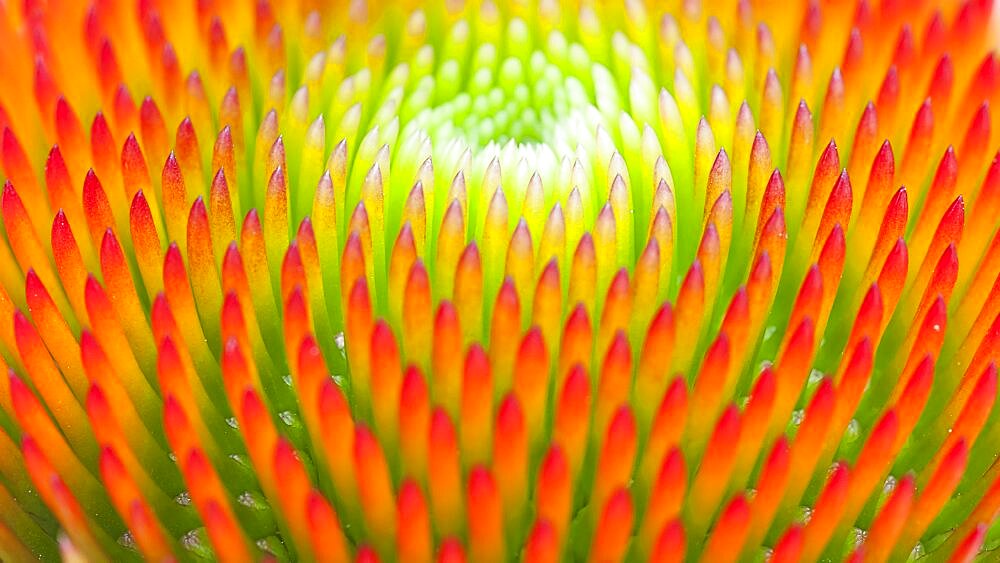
537	281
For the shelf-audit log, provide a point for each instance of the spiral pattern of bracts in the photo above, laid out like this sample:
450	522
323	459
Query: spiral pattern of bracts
535	280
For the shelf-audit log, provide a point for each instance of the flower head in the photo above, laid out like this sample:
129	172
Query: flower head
520	280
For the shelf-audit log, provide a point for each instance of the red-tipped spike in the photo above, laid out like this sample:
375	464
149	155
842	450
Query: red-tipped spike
613	528
730	529
542	545
444	474
510	458
889	523
374	485
486	535
413	539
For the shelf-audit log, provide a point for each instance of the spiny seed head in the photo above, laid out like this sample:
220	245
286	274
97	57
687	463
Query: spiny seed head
532	280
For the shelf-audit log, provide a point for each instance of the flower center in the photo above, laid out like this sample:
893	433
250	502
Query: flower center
514	94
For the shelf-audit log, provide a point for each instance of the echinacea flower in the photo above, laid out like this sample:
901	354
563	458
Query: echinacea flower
490	281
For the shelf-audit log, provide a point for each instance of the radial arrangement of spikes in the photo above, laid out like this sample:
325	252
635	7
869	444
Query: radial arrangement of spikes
489	281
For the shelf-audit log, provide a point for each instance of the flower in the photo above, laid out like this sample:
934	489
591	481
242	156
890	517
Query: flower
520	280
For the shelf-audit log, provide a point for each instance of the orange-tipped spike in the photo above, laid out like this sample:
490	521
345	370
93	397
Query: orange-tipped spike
793	366
444	474
947	474
338	429
204	485
730	529
293	495
871	466
789	547
807	446
547	304
756	418
476	418
577	342
261	437
365	553
417	316
573	416
555	485
446	363
583	273
451	551
404	254
689	311
706	399
374	486
327	539
968	550
542	545
451	241
413	537
133	508
386	379
770	489
665	501
531	383
670	544
826	513
55	332
70	265
510	459
224	533
617	455
614	528
46	380
852	381
709	484
665	433
53	489
889	523
651	377
826	175
124	299
615	380
506	325
414	420
486	535
837	212
969	421
469	292
357	336
23	237
891	231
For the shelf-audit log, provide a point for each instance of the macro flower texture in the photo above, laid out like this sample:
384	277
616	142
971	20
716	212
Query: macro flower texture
499	280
